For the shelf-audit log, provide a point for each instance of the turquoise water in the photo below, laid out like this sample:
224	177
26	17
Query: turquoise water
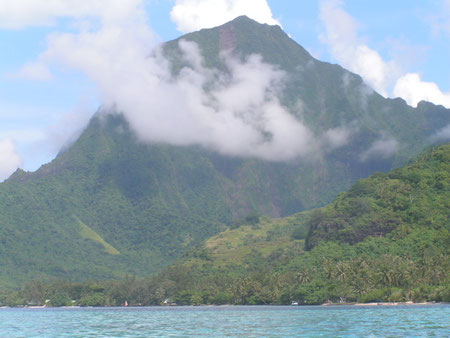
231	321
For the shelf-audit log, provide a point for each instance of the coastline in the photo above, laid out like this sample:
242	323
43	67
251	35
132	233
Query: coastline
230	305
383	304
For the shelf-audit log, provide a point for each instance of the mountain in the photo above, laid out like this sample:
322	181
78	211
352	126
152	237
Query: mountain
110	205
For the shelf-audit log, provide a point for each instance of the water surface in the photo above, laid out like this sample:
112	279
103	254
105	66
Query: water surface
231	321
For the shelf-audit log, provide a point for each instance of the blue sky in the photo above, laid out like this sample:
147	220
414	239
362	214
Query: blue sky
401	48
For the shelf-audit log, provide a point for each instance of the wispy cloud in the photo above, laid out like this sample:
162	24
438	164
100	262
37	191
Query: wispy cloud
440	21
9	159
384	147
19	14
386	77
42	133
441	135
341	35
338	137
36	71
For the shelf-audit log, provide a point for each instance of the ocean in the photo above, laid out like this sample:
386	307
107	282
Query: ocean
229	321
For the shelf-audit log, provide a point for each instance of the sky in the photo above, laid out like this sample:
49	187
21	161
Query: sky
61	59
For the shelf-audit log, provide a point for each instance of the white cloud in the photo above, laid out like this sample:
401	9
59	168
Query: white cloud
68	127
413	90
18	14
37	71
24	135
239	115
192	15
36	142
384	147
346	47
9	160
386	77
442	134
337	137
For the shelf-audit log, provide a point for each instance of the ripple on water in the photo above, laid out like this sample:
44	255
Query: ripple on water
248	321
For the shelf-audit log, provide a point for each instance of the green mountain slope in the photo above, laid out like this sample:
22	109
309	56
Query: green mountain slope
260	260
109	205
403	200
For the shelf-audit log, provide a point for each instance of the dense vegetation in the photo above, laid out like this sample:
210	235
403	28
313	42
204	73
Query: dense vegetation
386	239
108	205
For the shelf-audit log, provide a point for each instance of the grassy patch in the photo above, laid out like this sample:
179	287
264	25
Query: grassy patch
88	233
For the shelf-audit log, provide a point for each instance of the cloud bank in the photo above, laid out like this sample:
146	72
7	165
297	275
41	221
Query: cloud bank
240	115
9	159
192	15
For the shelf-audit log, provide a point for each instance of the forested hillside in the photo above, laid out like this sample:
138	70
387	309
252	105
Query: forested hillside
386	239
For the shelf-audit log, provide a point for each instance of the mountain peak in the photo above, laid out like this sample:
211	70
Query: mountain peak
244	19
18	174
245	36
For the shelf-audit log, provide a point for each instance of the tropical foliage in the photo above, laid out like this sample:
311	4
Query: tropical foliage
342	252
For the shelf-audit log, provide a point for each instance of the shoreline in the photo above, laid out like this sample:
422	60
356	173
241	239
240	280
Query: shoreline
230	305
383	304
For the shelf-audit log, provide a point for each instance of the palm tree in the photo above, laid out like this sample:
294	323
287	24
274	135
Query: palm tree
329	266
303	277
341	271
